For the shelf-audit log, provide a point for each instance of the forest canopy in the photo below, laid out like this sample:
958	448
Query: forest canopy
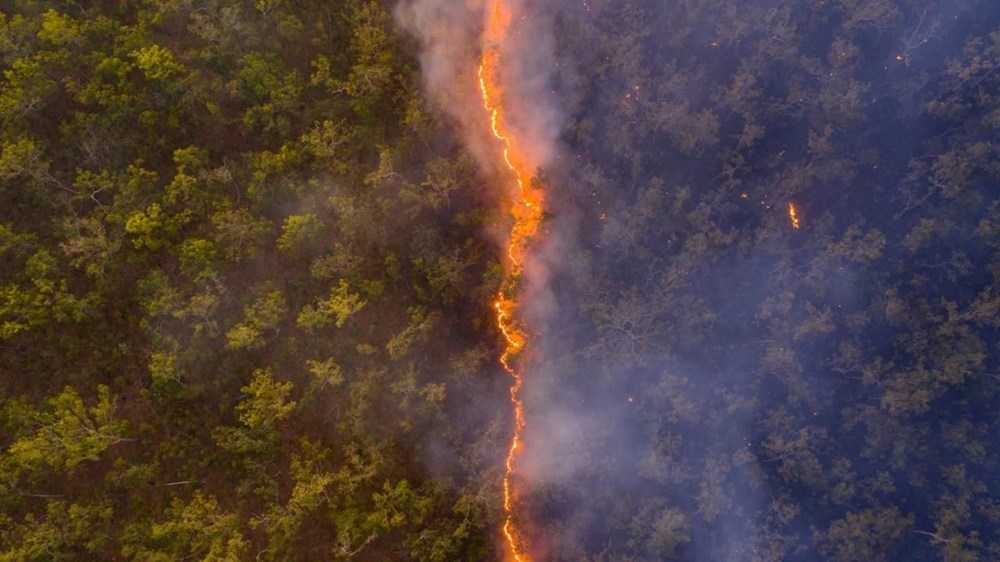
249	264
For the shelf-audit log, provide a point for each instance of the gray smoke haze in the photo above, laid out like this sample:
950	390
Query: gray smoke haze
670	403
450	33
450	37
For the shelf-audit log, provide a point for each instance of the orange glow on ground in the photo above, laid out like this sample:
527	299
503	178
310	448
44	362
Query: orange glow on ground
793	215
526	211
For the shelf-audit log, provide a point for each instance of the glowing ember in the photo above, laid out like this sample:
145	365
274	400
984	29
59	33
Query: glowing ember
526	209
793	215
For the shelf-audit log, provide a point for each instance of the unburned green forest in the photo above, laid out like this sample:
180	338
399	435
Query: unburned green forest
247	265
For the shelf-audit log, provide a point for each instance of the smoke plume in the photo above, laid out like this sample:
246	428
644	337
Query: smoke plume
450	34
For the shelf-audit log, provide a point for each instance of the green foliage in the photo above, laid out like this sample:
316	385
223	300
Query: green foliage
177	183
261	316
157	63
198	256
335	309
23	159
59	29
148	227
266	401
39	296
238	232
197	528
67	432
90	246
326	372
298	231
64	527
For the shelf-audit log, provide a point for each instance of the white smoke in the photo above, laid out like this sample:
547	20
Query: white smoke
450	32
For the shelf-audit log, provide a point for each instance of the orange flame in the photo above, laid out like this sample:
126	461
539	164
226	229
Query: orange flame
793	215
526	209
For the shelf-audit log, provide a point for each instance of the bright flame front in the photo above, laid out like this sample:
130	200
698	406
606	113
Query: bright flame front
526	210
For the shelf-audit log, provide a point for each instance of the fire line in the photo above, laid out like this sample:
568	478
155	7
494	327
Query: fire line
526	210
793	215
